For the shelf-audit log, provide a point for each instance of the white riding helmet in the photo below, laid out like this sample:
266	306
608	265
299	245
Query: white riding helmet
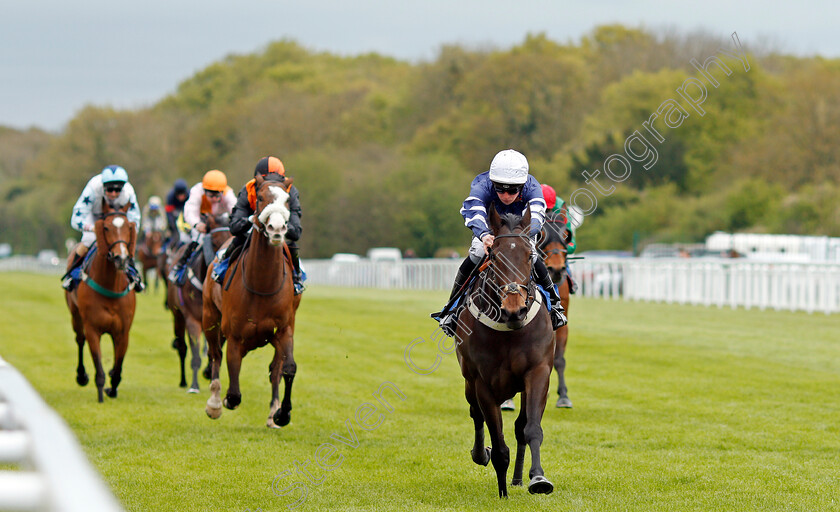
509	167
155	203
114	174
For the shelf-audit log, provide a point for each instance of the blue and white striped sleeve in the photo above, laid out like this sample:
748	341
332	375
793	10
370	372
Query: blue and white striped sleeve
474	210
532	193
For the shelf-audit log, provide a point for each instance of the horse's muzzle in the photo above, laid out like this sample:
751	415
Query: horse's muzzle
514	320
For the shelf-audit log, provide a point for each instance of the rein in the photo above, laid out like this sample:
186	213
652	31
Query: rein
524	290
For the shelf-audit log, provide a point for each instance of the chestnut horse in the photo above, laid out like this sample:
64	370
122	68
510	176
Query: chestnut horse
104	302
255	306
553	248
148	252
185	302
505	346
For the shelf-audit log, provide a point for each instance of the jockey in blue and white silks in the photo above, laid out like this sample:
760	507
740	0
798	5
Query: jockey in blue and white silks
510	189
111	185
483	192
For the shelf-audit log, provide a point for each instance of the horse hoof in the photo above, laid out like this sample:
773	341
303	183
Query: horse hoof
282	418
182	384
111	392
213	413
270	423
482	461
230	403
563	403
192	390
540	485
508	405
82	379
516	482
207	373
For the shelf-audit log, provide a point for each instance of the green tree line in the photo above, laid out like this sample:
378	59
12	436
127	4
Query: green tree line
383	150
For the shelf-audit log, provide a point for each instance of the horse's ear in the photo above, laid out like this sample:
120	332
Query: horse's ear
525	223
126	207
495	220
288	183
259	180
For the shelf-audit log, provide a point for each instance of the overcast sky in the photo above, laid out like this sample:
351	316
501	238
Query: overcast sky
57	56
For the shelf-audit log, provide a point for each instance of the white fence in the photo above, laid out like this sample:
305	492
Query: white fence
811	287
52	473
30	264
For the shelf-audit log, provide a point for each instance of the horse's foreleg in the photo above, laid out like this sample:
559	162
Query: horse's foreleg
536	393
561	336
81	375
284	415
213	335
93	338
499	452
519	430
120	348
480	453
194	332
275	370
233	397
179	326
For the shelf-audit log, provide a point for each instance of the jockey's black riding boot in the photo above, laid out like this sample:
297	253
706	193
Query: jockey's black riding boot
558	316
176	275
66	280
296	275
134	277
449	321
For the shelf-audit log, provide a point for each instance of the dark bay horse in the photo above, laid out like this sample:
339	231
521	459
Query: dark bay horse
505	346
186	302
104	302
148	254
255	306
554	250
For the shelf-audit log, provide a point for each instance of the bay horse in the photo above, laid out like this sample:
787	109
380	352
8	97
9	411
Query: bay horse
148	253
256	306
104	302
505	346
553	246
186	302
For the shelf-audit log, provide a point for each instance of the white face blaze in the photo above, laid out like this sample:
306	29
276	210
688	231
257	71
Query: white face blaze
118	223
276	215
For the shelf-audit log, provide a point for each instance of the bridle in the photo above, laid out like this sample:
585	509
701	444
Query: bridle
511	288
110	256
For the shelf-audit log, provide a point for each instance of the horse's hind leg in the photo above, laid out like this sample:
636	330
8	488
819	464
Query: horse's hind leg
194	332
480	453
519	430
562	335
179	343
284	415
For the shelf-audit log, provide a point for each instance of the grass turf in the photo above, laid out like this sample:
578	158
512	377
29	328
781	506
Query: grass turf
676	408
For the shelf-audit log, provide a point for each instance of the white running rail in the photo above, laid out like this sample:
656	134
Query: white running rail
811	287
51	473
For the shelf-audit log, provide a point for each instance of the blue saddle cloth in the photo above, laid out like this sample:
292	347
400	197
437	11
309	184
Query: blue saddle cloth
76	273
